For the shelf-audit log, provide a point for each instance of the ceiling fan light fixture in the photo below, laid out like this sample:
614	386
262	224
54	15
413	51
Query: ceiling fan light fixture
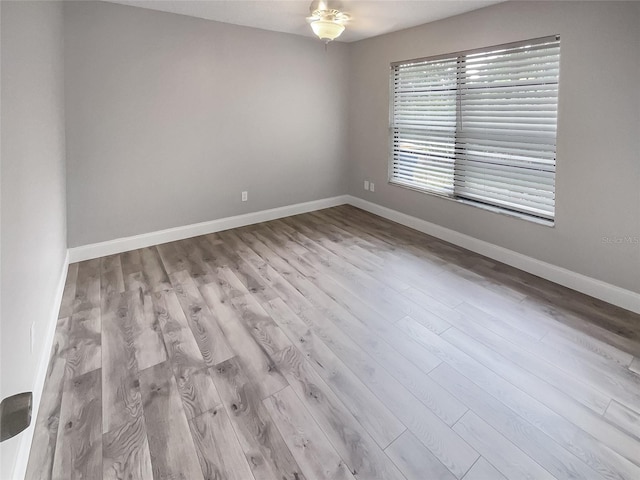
327	23
326	29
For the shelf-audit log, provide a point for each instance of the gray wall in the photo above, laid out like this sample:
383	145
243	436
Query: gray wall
598	154
33	221
169	118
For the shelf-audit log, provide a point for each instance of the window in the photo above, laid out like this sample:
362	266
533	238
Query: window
479	126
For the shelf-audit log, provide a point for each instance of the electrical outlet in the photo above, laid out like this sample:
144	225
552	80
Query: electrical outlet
245	196
372	187
366	184
32	336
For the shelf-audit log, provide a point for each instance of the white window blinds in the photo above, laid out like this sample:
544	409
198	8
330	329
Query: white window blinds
479	126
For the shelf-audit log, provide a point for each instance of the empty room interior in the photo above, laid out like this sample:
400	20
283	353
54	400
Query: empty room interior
326	240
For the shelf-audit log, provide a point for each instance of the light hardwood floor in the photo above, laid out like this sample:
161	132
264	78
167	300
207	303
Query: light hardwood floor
333	345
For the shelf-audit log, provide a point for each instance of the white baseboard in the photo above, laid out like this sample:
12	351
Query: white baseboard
590	286
581	283
119	245
24	447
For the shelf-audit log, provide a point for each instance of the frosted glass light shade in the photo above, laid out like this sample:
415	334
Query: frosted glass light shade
327	30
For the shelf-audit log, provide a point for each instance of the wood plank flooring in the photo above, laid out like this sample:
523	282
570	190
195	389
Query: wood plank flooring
333	345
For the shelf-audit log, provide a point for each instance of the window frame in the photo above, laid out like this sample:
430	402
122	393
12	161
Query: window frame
460	56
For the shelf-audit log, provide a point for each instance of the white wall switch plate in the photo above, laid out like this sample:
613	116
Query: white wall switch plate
372	187
245	196
366	184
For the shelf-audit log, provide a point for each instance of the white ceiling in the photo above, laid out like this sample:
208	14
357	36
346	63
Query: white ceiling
368	17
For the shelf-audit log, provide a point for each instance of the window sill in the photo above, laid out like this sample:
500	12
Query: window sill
490	208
